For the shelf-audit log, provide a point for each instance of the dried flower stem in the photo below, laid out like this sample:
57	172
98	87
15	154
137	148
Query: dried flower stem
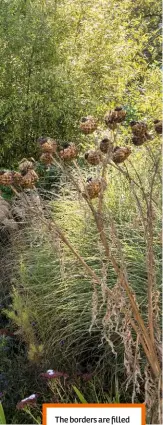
14	190
52	225
145	339
151	354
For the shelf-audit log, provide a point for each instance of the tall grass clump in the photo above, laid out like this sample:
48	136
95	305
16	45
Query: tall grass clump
86	278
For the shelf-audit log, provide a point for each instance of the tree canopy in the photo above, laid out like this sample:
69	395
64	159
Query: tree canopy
62	59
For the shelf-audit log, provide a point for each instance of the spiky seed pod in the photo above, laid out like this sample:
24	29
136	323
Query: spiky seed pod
112	118
47	145
6	178
93	157
34	176
17	178
29	180
120	154
68	152
94	187
138	141
47	158
88	124
121	114
106	145
26	165
158	126
139	128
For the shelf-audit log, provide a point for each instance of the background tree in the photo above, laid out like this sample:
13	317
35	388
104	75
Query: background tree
61	60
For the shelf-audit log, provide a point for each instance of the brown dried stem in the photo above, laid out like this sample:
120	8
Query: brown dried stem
151	355
151	259
148	229
145	338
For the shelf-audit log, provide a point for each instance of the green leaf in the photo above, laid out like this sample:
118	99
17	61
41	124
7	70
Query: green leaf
2	415
80	395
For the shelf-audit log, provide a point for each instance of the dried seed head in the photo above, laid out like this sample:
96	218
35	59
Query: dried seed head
47	144
6	178
66	145
94	187
139	128
112	118
84	119
133	123
93	157
138	141
17	178
25	165
88	125
69	152
120	154
47	158
158	126
106	145
118	108
29	179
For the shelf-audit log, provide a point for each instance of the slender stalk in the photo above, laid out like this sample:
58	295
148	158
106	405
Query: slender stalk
151	280
123	281
27	410
134	368
150	259
14	190
145	337
52	225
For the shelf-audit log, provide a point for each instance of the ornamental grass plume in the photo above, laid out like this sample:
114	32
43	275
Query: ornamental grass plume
104	263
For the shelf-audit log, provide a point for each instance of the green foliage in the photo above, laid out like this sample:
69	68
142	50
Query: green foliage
79	394
49	179
52	73
60	61
52	289
6	192
62	307
2	415
23	317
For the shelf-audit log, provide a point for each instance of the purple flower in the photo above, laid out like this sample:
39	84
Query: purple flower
29	401
52	374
